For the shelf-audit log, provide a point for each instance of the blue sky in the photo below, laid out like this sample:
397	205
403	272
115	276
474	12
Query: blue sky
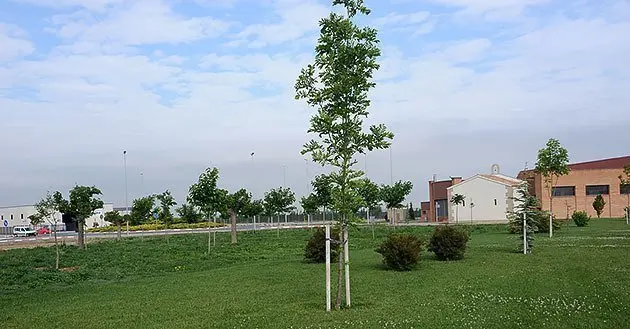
184	84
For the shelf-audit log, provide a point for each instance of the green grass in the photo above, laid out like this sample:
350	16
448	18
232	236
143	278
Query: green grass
578	279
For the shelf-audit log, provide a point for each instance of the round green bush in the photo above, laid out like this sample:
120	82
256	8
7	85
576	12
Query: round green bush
448	243
580	218
315	251
401	252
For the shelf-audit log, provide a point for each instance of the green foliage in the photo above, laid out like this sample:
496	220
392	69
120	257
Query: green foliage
166	202
205	195
142	210
155	226
35	219
82	202
309	203
401	252
114	217
47	208
394	195
237	203
188	213
279	201
448	243
322	187
256	208
411	214
599	204
337	84
580	218
370	193
315	251
542	222
529	206
458	199
553	160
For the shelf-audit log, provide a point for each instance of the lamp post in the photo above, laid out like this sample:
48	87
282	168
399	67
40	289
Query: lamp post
126	190
141	183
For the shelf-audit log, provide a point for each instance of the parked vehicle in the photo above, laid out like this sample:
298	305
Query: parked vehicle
24	231
43	230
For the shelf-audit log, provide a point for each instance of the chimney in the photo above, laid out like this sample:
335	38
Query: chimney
455	180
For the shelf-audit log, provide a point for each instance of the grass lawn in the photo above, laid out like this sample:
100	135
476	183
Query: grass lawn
578	279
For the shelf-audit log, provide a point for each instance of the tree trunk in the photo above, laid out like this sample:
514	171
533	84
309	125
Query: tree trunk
339	272
119	231
551	211
56	247
233	229
346	256
81	235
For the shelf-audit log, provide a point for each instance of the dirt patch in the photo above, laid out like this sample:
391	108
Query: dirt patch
69	269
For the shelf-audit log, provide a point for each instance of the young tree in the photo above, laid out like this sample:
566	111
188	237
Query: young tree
552	163
205	195
82	202
410	212
394	195
255	209
370	193
142	210
457	200
235	204
337	84
322	187
279	201
188	213
527	207
625	184
599	204
309	204
166	203
47	210
115	218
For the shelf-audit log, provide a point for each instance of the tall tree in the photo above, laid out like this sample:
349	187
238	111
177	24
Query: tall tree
235	204
553	162
115	218
337	84
599	204
188	213
457	200
323	193
166	201
48	209
82	202
142	210
410	212
527	207
205	196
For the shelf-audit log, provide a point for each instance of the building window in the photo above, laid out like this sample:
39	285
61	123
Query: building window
11	216
22	216
563	191
495	202
596	189
463	203
624	188
1	217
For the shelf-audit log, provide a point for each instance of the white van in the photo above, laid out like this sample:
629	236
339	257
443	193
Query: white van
24	231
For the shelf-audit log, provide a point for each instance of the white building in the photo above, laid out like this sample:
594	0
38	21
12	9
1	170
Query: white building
487	198
18	216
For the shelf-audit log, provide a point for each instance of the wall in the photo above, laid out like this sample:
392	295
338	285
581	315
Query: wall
482	192
21	213
615	202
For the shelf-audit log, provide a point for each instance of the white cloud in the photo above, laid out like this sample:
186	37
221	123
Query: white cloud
13	42
141	22
96	5
402	19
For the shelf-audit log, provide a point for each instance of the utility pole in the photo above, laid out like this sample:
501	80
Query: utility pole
126	190
141	183
391	169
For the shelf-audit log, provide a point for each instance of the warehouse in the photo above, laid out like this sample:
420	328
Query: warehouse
18	216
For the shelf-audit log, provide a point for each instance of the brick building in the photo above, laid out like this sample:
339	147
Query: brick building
438	198
578	189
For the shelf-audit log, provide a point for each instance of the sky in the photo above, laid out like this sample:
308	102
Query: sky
182	85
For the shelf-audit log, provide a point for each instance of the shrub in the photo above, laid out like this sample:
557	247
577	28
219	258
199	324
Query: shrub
315	251
152	227
448	243
542	222
401	252
580	218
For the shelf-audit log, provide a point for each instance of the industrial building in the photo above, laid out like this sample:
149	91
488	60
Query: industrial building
18	216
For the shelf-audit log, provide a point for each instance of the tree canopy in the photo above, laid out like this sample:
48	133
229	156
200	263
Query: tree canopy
394	195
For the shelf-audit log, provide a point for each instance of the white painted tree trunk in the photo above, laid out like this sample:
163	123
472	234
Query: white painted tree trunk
328	299
524	234
346	256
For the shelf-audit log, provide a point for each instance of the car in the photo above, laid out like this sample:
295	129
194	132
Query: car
43	230
24	231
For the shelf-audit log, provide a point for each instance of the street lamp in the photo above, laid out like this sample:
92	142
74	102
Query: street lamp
126	190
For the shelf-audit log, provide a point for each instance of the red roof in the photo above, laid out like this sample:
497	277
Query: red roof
612	163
